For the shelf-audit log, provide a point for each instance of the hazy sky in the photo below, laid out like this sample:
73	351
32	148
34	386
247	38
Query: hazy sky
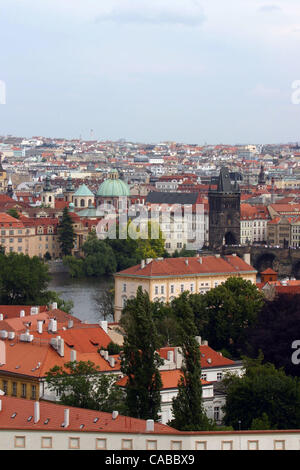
192	71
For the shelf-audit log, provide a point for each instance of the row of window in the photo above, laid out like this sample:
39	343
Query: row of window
151	444
14	388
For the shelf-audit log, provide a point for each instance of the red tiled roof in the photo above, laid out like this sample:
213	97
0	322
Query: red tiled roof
52	417
189	266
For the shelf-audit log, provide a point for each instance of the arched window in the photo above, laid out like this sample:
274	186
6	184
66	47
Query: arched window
82	203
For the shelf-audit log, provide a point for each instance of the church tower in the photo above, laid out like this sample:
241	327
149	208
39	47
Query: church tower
224	212
48	198
3	178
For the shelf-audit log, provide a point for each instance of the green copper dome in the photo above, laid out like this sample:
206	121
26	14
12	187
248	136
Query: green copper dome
83	190
113	187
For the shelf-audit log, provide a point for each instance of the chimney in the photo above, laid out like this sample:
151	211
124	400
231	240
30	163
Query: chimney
247	258
105	355
1	316
40	326
70	324
150	425
186	261
198	339
54	306
2	353
170	356
22	313
111	361
60	348
34	311
103	325
66	418
36	411
200	260
178	357
143	264
73	355
0	405
115	414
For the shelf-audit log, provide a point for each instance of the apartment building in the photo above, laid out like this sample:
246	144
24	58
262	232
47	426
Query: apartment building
166	278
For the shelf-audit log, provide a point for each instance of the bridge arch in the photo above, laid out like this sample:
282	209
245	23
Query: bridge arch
266	260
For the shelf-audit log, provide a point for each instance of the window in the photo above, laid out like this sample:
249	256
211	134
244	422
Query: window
20	442
101	444
24	390
176	445
33	392
46	442
151	445
203	376
253	445
14	389
201	445
162	289
192	288
182	288
5	386
227	445
127	444
219	376
216	413
74	443
156	290
279	445
172	289
124	287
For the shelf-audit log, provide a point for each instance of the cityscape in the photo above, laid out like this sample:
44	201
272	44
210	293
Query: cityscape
149	285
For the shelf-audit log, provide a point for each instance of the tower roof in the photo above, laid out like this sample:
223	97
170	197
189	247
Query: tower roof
83	190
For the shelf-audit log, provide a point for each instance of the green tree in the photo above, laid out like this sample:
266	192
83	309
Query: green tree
140	360
13	213
99	258
263	396
23	280
224	314
66	235
188	411
81	384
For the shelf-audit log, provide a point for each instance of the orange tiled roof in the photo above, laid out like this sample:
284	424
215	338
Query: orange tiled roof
52	417
206	352
189	266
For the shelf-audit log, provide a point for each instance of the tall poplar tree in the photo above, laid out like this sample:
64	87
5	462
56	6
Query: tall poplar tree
140	360
66	235
188	411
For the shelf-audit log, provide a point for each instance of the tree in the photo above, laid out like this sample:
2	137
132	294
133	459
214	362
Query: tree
80	384
277	327
263	396
13	213
23	280
188	411
99	258
66	235
140	360
225	313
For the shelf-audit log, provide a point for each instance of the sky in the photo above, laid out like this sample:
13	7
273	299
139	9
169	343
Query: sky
190	71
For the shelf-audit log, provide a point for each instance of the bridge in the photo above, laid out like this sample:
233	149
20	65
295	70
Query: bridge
285	261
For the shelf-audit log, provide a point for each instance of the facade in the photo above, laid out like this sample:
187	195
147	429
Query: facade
28	425
254	224
224	212
166	278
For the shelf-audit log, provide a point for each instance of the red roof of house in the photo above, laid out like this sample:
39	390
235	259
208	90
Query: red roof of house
52	418
189	266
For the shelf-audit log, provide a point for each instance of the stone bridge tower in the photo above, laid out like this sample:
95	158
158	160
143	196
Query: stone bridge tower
224	212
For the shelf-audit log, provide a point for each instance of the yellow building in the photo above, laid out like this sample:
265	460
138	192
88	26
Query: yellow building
166	278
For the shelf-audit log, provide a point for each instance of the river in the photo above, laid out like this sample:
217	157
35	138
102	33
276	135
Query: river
84	293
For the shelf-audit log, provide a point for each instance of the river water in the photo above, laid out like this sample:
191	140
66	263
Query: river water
85	294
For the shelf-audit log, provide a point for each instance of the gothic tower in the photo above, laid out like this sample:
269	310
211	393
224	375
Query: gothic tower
224	212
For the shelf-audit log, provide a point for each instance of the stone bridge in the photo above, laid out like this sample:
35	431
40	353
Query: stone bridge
286	261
